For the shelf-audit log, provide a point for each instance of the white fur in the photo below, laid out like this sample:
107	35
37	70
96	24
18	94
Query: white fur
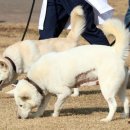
55	73
25	53
118	29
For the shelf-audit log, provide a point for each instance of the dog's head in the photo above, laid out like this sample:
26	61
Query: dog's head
4	71
26	97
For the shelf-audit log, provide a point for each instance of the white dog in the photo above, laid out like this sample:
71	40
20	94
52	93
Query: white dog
56	73
18	57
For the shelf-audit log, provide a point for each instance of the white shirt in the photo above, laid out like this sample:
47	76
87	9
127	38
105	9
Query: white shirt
102	11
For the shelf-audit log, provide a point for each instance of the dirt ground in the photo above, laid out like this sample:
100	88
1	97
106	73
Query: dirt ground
78	113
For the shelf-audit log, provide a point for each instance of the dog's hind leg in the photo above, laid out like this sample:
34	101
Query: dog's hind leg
61	97
123	97
109	95
110	86
112	109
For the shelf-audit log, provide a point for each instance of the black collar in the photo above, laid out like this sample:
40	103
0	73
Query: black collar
12	63
35	85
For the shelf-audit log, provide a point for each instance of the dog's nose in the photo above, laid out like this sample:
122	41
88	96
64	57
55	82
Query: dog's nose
19	117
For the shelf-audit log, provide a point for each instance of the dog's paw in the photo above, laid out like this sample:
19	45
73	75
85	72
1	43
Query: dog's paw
55	114
105	120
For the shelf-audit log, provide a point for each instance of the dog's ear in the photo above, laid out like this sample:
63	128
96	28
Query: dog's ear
3	65
11	93
13	85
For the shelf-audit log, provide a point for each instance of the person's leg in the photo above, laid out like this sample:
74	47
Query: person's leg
127	16
50	21
55	20
62	18
92	34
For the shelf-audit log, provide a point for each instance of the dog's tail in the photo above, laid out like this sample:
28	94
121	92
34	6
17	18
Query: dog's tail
77	23
117	28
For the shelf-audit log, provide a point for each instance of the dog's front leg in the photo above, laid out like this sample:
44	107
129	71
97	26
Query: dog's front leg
42	107
60	100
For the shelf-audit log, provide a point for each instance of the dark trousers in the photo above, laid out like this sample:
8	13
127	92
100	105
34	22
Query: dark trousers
58	12
127	16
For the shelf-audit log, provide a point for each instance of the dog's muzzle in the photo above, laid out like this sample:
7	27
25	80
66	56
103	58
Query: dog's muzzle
19	117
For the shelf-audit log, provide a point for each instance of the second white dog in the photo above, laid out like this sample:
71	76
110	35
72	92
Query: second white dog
18	57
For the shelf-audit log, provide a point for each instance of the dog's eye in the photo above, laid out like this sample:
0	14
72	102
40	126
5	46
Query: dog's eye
20	105
2	65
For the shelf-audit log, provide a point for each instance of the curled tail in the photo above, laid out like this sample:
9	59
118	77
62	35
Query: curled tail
117	28
77	23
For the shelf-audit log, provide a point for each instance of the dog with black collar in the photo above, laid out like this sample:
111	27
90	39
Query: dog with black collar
56	73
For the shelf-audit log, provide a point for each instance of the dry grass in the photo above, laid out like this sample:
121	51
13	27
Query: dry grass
83	112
